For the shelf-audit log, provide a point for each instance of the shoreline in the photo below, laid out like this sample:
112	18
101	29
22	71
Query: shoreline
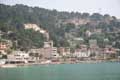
52	63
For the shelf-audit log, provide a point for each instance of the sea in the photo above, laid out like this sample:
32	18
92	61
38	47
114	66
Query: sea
81	71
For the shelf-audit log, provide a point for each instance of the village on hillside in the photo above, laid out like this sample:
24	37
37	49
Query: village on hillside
50	54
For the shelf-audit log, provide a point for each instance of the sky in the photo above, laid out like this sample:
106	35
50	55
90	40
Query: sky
111	7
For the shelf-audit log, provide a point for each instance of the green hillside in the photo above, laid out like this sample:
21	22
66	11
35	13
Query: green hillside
63	27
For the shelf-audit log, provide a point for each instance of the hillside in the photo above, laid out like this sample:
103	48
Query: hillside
63	27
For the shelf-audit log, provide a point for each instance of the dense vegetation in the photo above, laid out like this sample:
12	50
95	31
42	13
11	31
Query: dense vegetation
61	31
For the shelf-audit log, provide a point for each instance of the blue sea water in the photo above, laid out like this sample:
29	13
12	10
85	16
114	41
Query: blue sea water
82	71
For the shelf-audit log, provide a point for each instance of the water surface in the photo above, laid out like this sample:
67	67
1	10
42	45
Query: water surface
83	71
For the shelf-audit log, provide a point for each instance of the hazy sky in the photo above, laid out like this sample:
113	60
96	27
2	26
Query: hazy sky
111	7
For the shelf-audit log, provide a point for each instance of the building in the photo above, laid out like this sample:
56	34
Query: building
77	21
92	43
82	53
78	41
3	47
47	52
94	48
5	44
48	44
83	47
32	26
110	52
40	53
64	51
18	57
88	33
55	52
61	51
36	54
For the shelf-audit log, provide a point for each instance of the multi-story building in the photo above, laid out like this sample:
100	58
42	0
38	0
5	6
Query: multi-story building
3	47
18	57
36	53
48	51
55	52
64	51
82	53
110	52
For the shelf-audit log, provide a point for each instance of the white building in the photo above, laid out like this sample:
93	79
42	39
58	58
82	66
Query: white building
88	33
48	44
32	26
18	55
47	51
54	52
82	54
